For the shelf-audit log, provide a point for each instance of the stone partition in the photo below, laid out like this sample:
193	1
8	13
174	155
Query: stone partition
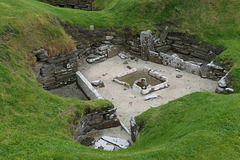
146	44
134	129
86	86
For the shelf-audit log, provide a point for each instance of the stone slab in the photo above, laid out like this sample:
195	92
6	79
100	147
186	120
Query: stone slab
122	143
86	86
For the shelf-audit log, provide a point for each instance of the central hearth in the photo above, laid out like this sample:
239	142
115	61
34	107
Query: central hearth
142	81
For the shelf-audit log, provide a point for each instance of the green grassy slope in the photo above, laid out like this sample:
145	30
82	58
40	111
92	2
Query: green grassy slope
35	124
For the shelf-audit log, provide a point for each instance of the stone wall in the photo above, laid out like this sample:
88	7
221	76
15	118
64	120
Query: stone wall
99	44
60	70
180	50
181	43
187	45
74	4
56	71
104	119
97	41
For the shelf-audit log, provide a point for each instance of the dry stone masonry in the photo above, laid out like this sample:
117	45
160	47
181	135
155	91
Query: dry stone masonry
74	4
106	118
174	49
56	71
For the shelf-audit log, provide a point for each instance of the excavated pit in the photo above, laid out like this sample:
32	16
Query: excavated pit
70	91
182	64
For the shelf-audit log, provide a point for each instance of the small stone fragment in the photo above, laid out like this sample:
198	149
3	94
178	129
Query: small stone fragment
153	96
153	106
178	70
222	82
129	67
125	62
179	76
98	83
122	55
104	74
229	90
132	57
108	38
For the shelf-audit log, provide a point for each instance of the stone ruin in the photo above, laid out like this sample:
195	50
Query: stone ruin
173	49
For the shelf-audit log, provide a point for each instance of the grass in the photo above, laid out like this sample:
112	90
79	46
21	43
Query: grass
34	124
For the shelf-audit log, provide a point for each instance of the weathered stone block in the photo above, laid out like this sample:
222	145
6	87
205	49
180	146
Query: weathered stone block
41	54
168	41
180	50
134	129
108	124
154	57
65	77
47	70
136	49
210	56
175	45
174	38
165	48
164	34
146	44
199	54
200	48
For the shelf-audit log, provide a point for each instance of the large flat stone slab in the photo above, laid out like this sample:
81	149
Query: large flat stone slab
86	86
122	143
101	144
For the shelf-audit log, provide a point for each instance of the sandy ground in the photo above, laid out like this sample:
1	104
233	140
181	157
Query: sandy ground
129	103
